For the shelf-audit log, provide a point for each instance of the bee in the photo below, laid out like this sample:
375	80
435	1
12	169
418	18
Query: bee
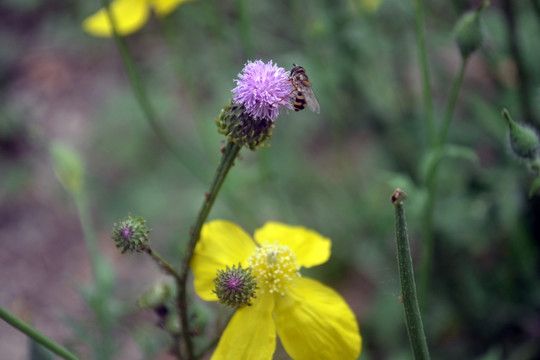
304	92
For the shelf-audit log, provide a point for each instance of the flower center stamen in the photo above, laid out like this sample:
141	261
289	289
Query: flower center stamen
274	266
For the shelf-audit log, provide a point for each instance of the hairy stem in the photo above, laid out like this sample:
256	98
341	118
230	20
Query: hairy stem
413	318
36	335
227	161
431	184
163	264
450	107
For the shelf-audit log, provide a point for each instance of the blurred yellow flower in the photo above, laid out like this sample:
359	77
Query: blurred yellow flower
312	320
129	16
370	5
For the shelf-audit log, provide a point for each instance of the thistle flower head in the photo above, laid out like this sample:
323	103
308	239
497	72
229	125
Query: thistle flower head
131	234
235	287
263	89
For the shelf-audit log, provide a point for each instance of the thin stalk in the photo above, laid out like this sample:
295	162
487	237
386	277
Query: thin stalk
88	233
524	86
413	317
142	98
36	335
424	67
227	161
186	78
163	264
427	232
458	80
431	184
102	290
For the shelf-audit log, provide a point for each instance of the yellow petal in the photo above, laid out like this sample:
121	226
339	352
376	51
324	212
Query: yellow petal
314	322
129	16
310	247
222	243
370	5
251	333
165	7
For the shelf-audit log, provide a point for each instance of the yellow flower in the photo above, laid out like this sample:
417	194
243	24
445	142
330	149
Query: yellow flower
370	5
129	16
312	320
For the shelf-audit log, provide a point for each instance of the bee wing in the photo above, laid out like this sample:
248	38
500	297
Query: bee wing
311	100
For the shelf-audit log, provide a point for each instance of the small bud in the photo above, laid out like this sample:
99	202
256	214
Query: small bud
68	167
468	31
131	234
235	287
398	197
156	296
523	139
243	129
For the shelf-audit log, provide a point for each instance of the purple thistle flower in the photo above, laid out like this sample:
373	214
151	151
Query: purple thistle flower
126	233
263	89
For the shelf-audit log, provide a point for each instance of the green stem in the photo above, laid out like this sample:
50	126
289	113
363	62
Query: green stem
458	80
227	161
36	335
424	67
427	229
142	97
88	233
514	44
163	264
431	184
187	80
102	291
413	318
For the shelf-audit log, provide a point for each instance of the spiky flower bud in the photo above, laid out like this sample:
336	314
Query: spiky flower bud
235	287
468	31
131	234
523	139
242	128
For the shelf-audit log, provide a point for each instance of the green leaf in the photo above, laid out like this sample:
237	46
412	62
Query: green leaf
433	157
534	187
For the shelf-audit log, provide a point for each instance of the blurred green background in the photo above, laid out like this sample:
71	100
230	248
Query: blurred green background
332	172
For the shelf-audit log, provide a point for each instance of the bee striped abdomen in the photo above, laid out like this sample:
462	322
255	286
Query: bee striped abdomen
299	101
304	93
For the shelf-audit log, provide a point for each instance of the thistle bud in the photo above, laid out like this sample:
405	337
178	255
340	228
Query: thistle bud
235	287
468	31
523	139
131	234
242	128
